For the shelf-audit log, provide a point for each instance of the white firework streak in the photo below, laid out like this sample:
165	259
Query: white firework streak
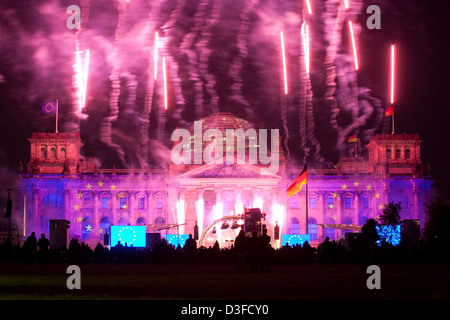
79	76
148	102
186	47
168	29
106	131
236	66
205	54
333	28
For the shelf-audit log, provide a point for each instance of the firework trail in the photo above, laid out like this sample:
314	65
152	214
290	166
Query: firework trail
187	47
106	132
283	96
148	100
166	40
236	65
205	53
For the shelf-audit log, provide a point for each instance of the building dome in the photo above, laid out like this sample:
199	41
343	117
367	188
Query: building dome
223	121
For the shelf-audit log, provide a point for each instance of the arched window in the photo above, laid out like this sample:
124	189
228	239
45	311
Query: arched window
43	153
52	201
160	220
397	154
140	221
294	227
388	154
330	232
312	228
63	152
105	223
86	227
52	153
407	154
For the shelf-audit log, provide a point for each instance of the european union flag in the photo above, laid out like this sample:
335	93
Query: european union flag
49	107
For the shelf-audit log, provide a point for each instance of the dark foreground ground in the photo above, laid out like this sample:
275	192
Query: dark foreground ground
223	282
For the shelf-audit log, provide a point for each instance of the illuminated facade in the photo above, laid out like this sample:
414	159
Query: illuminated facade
59	183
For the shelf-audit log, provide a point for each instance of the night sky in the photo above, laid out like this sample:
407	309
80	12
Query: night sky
240	42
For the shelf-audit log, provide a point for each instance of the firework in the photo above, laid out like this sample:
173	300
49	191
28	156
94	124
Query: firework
155	68
308	4
392	72
85	77
346	4
305	38
165	82
353	44
283	53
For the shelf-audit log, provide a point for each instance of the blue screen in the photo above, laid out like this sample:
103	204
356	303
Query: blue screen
389	233
175	239
130	235
295	239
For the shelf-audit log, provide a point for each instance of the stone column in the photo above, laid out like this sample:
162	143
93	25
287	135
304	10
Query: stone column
356	219
149	207
66	203
35	221
323	207
96	226
114	207
131	210
340	212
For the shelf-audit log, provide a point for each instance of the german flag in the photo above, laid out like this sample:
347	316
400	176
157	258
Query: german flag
297	184
389	111
352	138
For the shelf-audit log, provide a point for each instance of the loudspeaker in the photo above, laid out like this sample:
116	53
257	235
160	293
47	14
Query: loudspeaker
59	233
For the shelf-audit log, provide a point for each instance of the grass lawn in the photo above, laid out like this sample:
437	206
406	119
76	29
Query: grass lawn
223	282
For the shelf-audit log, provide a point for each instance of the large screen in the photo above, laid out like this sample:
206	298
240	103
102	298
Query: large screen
391	234
176	239
295	239
130	235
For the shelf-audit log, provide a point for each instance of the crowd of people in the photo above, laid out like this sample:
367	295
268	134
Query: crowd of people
247	253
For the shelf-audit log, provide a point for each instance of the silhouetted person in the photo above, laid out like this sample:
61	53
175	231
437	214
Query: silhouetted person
30	247
241	248
369	237
253	251
264	250
190	248
43	245
307	252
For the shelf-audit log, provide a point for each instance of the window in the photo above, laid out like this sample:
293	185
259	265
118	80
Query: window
123	203
406	203
397	154
348	203
105	203
43	153
312	228
140	221
63	152
294	227
160	220
52	153
141	203
330	202
365	201
159	203
407	154
52	201
312	203
294	203
388	154
86	200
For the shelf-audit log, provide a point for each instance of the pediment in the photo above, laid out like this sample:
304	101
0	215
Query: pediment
231	169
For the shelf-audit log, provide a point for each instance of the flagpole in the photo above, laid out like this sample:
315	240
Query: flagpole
393	113
307	200
56	126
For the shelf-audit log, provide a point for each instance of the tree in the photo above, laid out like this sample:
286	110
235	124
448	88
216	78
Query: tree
391	214
438	220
